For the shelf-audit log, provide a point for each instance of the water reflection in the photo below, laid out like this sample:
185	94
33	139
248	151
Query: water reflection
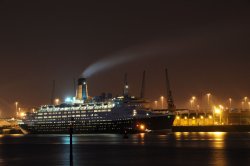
141	138
215	148
201	139
218	158
200	135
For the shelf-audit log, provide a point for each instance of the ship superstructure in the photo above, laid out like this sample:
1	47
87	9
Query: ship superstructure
102	114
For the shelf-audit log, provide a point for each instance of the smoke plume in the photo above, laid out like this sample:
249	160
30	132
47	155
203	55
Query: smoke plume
107	63
119	58
177	45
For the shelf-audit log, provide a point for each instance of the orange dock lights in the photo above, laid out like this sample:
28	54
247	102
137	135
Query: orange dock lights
141	127
156	104
162	102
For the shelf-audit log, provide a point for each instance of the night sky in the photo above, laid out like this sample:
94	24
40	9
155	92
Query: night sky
205	46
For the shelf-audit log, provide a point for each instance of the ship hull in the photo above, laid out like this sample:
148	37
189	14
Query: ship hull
134	125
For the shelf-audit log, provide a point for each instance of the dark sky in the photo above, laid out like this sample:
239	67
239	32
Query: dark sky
205	45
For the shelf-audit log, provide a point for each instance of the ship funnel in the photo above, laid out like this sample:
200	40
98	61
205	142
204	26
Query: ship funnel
82	90
126	87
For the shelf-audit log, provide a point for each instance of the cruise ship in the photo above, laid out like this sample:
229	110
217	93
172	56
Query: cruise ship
104	114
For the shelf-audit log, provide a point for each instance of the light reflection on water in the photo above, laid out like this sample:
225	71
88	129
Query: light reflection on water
212	148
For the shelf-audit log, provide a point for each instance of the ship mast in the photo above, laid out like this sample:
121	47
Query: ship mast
170	99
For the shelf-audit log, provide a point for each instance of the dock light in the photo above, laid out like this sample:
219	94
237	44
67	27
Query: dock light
245	99
208	98
242	104
156	104
217	110
178	118
230	102
57	101
16	104
22	114
210	117
68	100
191	103
142	127
162	102
202	117
185	118
193	118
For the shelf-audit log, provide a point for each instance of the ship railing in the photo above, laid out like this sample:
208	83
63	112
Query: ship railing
80	107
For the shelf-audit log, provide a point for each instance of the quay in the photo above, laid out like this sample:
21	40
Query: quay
221	120
221	128
9	126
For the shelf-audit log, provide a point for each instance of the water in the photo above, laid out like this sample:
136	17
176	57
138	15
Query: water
141	149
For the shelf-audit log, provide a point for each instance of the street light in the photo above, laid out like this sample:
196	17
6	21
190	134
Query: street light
22	114
16	104
162	101
208	99
242	105
230	103
245	99
218	110
156	104
198	107
191	103
57	101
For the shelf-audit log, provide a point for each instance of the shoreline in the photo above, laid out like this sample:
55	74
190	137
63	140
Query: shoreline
223	128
